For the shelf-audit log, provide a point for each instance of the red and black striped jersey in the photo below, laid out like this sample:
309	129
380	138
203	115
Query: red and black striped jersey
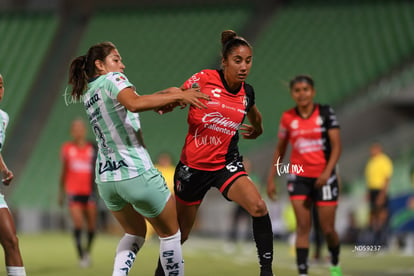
212	136
309	138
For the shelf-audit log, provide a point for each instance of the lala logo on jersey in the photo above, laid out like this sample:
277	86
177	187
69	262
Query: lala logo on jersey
111	166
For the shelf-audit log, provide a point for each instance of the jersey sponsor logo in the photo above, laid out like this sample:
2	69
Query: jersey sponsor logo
219	119
216	92
304	145
95	98
294	124
111	165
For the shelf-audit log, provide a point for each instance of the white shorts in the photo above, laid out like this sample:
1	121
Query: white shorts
3	203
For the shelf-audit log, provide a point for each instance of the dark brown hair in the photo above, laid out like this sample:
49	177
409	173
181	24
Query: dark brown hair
230	40
302	78
83	67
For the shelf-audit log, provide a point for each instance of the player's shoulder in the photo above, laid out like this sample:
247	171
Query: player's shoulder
291	112
325	108
116	77
67	145
4	115
248	88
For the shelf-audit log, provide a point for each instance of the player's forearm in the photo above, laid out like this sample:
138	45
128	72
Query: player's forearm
3	166
255	119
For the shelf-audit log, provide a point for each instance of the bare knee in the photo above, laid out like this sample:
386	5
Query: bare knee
258	208
10	243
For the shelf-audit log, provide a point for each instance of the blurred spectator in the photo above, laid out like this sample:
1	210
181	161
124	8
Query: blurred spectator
378	172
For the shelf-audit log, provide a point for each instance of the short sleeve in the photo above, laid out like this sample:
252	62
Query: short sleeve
250	96
329	117
3	127
195	80
117	82
283	132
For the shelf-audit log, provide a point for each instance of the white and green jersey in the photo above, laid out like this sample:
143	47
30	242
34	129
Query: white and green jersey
4	121
122	154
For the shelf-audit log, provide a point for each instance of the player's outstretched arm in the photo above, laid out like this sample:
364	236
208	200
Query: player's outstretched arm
173	95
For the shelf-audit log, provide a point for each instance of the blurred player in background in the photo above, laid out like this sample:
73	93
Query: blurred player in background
210	157
127	181
77	182
8	236
313	131
378	172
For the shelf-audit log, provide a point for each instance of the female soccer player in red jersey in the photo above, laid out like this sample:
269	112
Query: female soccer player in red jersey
77	181
210	157
8	237
313	131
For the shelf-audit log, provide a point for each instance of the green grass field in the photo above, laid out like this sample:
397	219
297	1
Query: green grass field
53	254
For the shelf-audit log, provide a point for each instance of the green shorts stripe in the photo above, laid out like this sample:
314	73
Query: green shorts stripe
147	193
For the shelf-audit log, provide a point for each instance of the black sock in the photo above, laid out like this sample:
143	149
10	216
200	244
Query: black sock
334	254
77	235
263	236
302	260
159	271
91	236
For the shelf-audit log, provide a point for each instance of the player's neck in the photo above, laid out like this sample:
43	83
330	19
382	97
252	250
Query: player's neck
80	142
306	111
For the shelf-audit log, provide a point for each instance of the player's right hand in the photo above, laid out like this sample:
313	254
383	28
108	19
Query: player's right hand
193	96
7	177
271	189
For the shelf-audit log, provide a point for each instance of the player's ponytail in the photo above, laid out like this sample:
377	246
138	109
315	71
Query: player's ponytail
77	76
83	67
230	40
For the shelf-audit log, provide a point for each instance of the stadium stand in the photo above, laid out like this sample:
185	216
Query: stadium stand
344	46
19	63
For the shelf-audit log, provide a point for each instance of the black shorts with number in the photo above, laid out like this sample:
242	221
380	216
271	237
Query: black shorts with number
303	188
191	185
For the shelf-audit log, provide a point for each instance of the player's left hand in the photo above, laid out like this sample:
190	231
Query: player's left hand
249	132
322	180
7	177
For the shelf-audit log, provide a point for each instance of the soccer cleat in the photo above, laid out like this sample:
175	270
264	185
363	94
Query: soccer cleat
335	270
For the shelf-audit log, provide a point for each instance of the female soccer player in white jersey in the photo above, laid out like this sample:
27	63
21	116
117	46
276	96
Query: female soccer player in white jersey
127	181
8	237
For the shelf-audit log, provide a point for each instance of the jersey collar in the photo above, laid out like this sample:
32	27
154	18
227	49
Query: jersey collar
223	80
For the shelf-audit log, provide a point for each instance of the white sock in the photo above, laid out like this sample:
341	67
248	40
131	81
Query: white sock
15	271
171	255
126	252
